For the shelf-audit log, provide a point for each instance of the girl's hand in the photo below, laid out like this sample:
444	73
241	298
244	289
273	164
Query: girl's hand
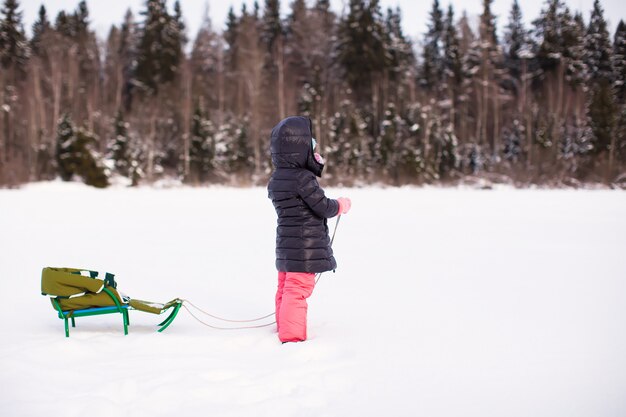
344	205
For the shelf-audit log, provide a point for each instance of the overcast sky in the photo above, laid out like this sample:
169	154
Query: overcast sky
104	13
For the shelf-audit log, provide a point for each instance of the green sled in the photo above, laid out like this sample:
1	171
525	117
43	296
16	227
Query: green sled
78	292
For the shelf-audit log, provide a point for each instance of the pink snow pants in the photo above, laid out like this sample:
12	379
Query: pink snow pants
291	306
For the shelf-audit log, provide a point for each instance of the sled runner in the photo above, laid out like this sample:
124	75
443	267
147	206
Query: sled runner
80	293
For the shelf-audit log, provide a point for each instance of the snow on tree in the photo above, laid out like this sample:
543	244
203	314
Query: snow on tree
202	147
241	155
513	141
388	140
76	155
574	39
619	87
119	147
601	108
348	145
619	63
444	148
576	139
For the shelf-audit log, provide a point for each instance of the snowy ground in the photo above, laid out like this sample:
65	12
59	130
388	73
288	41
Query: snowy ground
447	302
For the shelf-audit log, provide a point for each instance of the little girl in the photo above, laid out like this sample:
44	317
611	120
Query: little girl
302	241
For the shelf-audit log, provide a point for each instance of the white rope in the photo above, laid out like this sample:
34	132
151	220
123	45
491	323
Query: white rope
225	328
223	319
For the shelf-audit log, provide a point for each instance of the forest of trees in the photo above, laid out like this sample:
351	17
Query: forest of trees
540	104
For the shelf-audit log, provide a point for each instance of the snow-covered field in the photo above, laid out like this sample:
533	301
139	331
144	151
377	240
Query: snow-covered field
446	302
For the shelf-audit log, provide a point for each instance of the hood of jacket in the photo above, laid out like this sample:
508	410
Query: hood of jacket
291	147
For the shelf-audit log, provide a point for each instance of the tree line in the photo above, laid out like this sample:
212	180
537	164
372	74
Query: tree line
544	104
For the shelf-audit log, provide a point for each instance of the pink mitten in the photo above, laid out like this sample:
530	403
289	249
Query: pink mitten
344	205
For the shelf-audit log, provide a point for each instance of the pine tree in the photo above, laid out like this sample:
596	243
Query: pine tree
65	159
14	54
298	51
120	148
447	151
574	40
241	155
81	17
41	26
488	25
432	55
256	10
160	47
513	139
398	46
296	25
515	41
598	47
619	86
470	61
347	145
619	63
361	49
452	64
322	6
231	61
88	58
224	137
76	155
63	24
490	77
273	72
409	154
548	31
475	160
620	135
90	168
205	62
306	100
202	147
576	143
230	37
387	141
174	40
14	50
127	52
601	107
272	26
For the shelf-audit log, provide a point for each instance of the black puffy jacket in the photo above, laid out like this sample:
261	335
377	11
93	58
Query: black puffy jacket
302	241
